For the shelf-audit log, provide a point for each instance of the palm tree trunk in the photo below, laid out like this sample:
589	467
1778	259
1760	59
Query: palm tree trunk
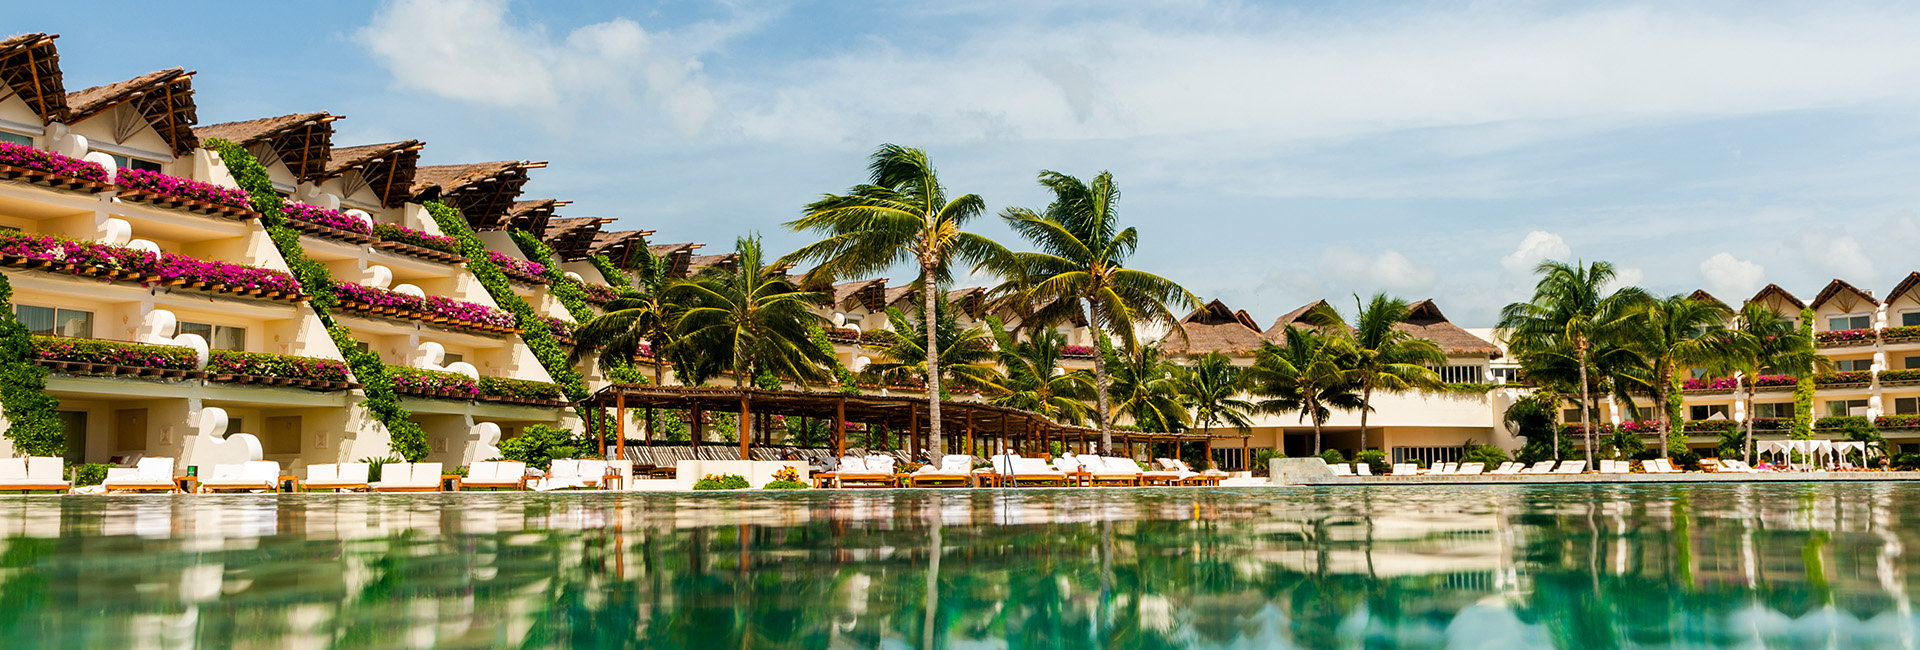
1313	415
1749	386
1666	417
1366	404
1100	379
1586	396
931	321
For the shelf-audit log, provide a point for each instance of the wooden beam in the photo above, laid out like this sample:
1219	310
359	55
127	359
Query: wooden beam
840	427
699	426
620	428
746	427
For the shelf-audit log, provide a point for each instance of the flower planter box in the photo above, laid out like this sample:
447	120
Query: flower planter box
1708	391
191	205
124	275
411	250
330	232
522	278
522	401
50	179
434	319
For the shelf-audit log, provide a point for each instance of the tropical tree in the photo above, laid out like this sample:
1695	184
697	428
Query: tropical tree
902	214
1034	379
641	318
751	319
1146	388
1768	342
1079	273
965	361
1307	375
1674	334
1383	358
1569	312
1211	388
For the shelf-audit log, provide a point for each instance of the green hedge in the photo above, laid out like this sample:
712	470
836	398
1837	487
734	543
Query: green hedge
33	420
404	436
523	388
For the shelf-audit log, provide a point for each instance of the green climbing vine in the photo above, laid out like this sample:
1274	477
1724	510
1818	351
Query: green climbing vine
404	436
1803	389
33	421
566	289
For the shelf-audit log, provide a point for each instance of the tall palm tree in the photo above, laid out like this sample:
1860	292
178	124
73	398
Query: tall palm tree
751	319
1146	389
1034	379
965	360
1081	268
1570	309
902	214
1384	358
1306	375
1768	342
1672	334
642	315
1211	387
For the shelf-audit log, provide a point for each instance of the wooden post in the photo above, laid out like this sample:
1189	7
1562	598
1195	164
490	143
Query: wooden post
620	428
1006	439
1209	456
1246	451
913	434
650	426
840	428
746	426
969	445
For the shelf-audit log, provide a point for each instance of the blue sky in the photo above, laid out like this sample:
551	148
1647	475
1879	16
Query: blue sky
1271	153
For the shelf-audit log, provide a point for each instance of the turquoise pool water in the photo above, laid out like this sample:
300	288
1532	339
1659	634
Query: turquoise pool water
1783	566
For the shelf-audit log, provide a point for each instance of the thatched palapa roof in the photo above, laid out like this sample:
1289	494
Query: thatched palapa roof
1425	321
1845	295
870	294
303	141
572	237
1909	284
30	66
386	168
1214	328
164	98
483	192
1298	316
1774	291
532	216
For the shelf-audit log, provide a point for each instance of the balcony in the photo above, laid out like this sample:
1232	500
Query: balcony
1843	379
104	358
26	164
435	310
113	263
599	294
1844	338
1724	385
1905	334
336	225
869	338
447	385
424	245
519	270
562	330
176	193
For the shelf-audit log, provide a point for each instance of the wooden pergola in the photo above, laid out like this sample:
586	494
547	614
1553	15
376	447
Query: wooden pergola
974	424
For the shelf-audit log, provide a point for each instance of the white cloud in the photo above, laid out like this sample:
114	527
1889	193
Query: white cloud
1346	270
1730	278
472	51
1626	277
1537	246
1839	255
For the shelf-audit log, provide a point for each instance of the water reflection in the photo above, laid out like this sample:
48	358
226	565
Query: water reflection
1577	567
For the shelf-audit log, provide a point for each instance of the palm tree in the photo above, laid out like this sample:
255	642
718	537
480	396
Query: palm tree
1570	309
964	362
1384	358
901	215
1769	342
1081	269
1211	387
643	315
751	319
1306	375
1034	379
1672	334
1146	389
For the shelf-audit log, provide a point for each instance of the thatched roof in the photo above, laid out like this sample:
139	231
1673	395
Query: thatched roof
532	216
1909	284
571	237
1425	321
386	168
870	294
620	246
30	66
1774	290
303	141
164	98
971	301
1296	317
483	192
1214	328
698	263
1702	296
1845	294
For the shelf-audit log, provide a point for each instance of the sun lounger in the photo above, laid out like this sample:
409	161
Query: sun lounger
1341	469
151	474
1114	471
342	476
408	477
1571	467
955	470
1660	466
1446	469
495	475
31	474
1542	467
1167	471
875	470
1470	469
1737	466
1507	468
248	476
1018	470
1363	469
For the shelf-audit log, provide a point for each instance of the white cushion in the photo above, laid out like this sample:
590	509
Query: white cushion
425	475
853	465
879	464
13	469
325	473
155	469
355	472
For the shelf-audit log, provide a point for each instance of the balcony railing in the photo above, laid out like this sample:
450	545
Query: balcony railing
519	270
437	310
425	245
447	385
1843	378
1844	338
100	357
174	192
1709	385
41	167
96	260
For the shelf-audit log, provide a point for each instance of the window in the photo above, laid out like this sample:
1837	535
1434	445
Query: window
1839	407
1462	374
1911	363
1910	318
53	321
1426	456
1849	365
1849	322
1503	375
1570	416
219	337
1706	411
1906	405
1773	410
16	138
132	163
455	357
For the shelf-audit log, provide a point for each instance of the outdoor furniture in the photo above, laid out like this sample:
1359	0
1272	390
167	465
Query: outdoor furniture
495	474
248	476
1447	469
1360	469
151	474
1074	467
873	471
408	477
1113	471
1571	467
1508	468
342	476
34	473
1341	469
1170	473
955	470
1017	471
1737	466
1470	469
1542	467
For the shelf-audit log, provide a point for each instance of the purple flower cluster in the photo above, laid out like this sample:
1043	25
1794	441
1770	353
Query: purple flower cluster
182	188
1905	374
559	328
1766	381
518	388
1843	377
1903	332
1710	383
415	380
136	355
1908	421
1843	337
167	266
334	219
517	265
260	364
1076	351
599	293
461	311
20	155
409	236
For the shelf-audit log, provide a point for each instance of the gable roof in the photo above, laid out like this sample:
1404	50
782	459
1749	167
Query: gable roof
164	98
1702	295
1424	320
30	66
304	141
1297	316
483	192
1775	290
1912	280
387	168
870	294
1838	289
532	216
1214	328
571	237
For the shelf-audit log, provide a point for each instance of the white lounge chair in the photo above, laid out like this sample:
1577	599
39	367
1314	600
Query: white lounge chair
1660	466
955	470
408	477
1507	468
1470	469
1341	469
1033	471
496	475
1737	466
33	474
1114	470
248	476
1363	469
1446	469
873	471
341	476
151	474
1571	467
1542	467
1404	469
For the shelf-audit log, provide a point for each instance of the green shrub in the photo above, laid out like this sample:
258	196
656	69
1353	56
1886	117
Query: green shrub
722	482
1333	457
375	464
1488	455
86	474
1905	462
1260	458
1375	459
541	443
1686	459
32	415
783	485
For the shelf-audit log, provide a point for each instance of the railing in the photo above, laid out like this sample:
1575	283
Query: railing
1842	338
174	192
104	357
97	260
437	310
447	385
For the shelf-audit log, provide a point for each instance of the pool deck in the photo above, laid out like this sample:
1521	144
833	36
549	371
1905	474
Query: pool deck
1576	479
